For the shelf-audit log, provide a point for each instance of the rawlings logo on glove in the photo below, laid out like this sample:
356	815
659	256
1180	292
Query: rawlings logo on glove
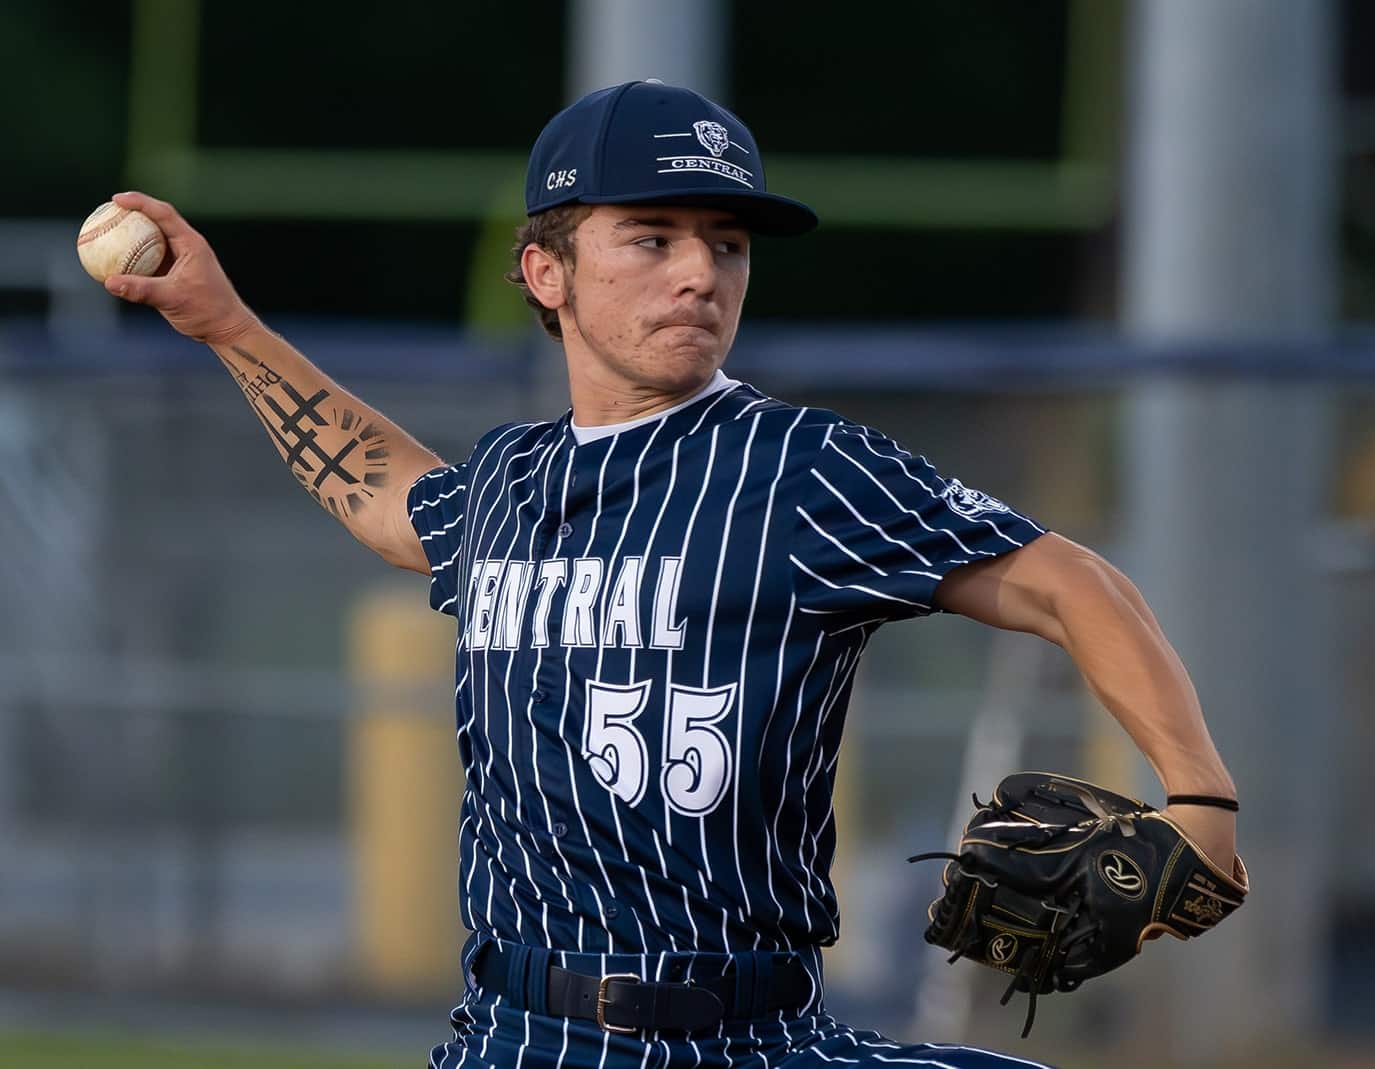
1058	880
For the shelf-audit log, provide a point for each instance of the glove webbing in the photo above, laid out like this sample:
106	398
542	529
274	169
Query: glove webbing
1033	964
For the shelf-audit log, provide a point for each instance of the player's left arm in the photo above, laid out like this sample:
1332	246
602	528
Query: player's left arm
1071	596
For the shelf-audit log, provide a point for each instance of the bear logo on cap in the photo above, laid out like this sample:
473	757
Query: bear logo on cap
714	137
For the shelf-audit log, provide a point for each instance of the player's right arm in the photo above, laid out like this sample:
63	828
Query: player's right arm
351	459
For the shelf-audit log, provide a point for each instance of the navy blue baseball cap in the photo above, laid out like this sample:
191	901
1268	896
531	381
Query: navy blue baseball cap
646	142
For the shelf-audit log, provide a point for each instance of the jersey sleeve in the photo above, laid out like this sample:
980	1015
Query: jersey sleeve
437	502
878	528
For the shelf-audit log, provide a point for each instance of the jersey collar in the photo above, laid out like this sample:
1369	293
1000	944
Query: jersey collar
587	435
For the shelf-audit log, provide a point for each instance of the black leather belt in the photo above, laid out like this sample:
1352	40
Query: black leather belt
622	1002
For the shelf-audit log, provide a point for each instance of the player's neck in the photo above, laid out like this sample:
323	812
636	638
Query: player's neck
606	400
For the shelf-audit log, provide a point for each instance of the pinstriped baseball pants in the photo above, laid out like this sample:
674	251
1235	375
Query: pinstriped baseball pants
492	1033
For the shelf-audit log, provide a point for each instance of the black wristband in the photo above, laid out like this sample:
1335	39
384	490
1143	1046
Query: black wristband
1203	799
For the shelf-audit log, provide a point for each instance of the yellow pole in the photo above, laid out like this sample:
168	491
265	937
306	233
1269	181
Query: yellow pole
404	787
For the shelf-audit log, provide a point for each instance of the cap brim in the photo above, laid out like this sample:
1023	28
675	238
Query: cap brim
762	213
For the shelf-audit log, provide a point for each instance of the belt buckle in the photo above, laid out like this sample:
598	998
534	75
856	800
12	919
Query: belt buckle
602	1000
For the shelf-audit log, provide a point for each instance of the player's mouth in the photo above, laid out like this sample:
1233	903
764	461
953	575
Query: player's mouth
695	324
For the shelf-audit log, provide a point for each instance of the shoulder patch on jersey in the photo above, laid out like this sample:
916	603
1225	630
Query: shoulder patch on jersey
970	503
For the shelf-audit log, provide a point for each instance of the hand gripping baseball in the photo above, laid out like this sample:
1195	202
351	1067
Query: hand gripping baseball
190	289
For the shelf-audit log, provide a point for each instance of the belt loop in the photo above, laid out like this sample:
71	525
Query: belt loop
537	981
744	983
517	965
763	985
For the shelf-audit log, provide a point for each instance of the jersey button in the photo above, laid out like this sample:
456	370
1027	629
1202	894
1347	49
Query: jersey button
565	529
560	829
537	696
612	909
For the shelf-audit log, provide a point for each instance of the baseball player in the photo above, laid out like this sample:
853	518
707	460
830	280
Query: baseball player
661	598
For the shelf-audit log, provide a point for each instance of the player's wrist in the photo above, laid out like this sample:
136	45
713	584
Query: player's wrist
234	329
1206	778
1196	787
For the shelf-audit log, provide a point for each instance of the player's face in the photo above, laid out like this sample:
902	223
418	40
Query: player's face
655	294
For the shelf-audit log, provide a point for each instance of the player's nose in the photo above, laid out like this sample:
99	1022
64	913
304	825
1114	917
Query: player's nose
694	267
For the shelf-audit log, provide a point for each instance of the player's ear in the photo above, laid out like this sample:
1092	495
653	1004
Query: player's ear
543	273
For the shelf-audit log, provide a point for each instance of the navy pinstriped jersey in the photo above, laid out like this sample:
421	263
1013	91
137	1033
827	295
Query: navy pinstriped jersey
657	636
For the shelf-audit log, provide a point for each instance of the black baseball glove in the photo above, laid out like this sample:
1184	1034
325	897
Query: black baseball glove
1058	880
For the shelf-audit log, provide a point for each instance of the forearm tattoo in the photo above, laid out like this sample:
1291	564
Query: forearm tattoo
337	455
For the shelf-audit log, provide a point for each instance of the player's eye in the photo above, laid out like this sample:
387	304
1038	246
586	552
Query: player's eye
730	248
654	241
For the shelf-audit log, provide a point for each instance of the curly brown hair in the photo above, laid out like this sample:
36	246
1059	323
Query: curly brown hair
552	231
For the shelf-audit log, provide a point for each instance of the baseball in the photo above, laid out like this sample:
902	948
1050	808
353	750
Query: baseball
119	241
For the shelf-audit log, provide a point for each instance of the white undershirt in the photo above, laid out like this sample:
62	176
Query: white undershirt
718	382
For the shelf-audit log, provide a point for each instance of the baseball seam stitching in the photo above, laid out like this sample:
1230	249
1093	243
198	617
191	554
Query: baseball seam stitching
138	250
103	228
